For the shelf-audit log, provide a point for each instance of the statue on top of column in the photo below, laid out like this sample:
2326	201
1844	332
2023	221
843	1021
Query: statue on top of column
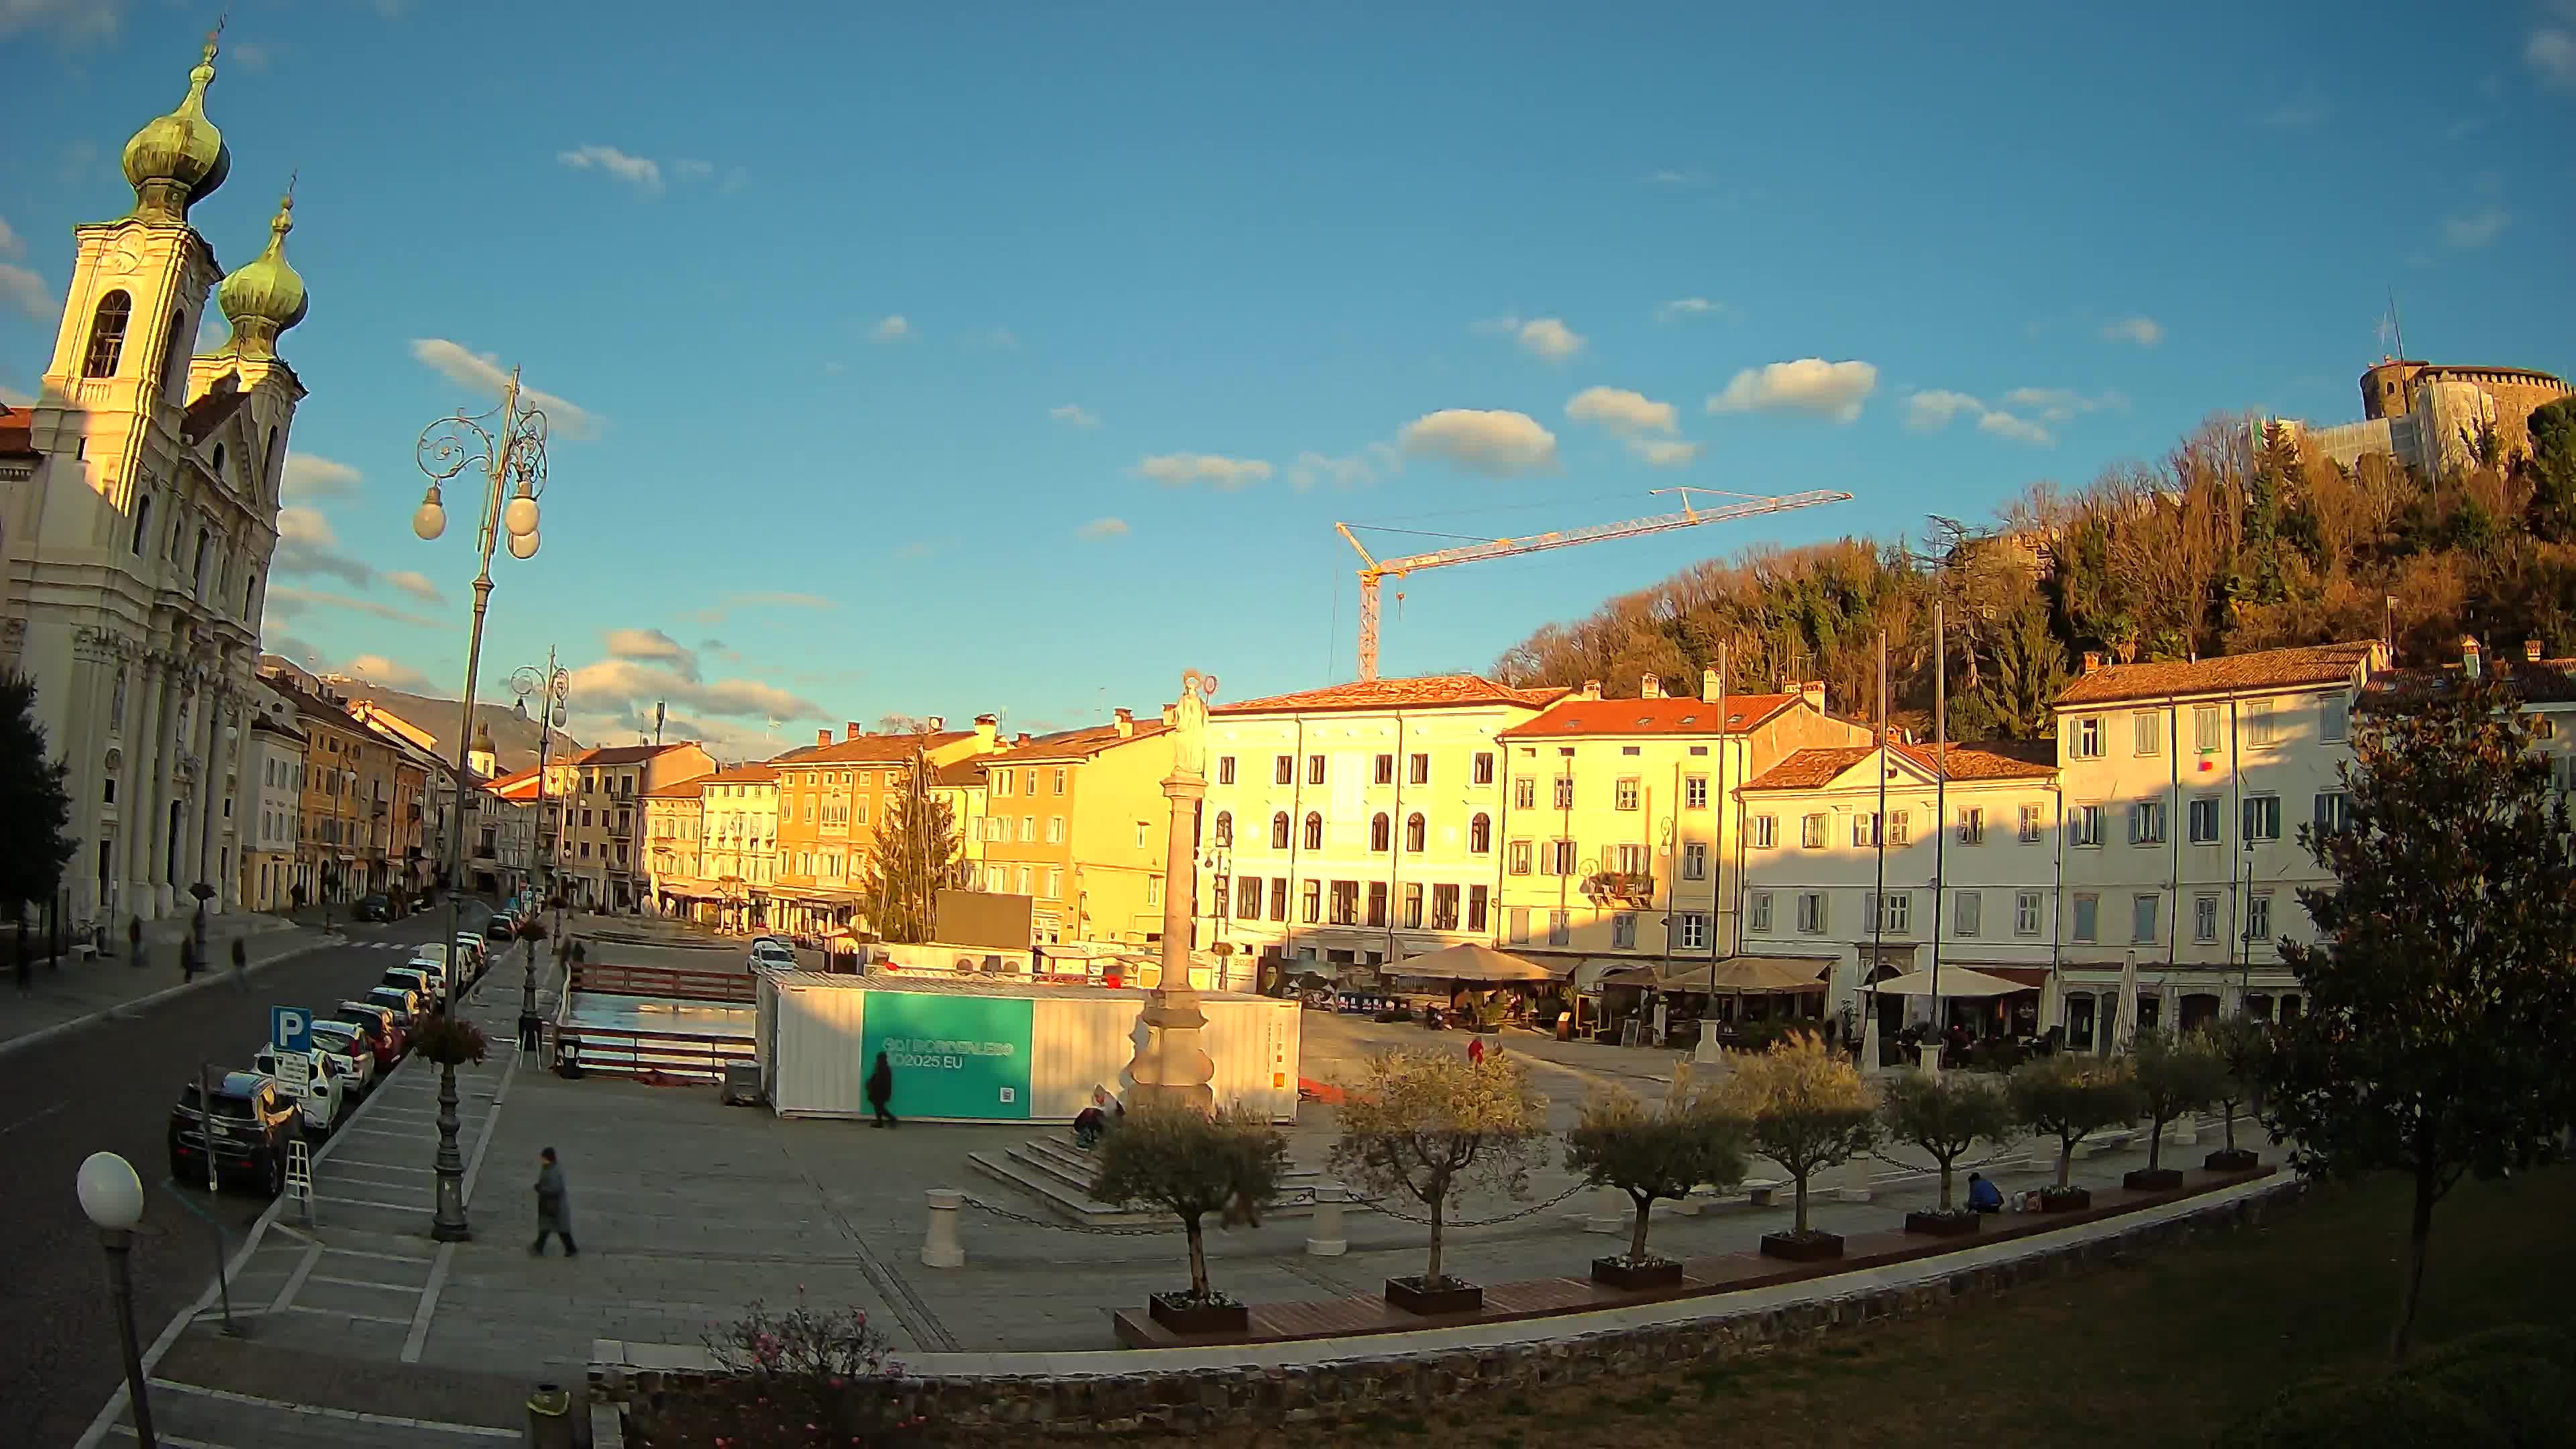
1189	725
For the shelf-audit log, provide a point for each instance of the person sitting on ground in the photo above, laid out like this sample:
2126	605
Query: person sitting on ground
1088	1125
1983	1196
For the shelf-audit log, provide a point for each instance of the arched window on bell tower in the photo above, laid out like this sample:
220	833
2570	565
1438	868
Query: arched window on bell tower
174	356
142	521
107	334
268	483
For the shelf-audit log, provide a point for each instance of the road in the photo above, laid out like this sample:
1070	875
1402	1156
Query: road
111	1086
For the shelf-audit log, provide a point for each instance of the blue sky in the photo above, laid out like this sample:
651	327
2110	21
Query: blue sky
947	359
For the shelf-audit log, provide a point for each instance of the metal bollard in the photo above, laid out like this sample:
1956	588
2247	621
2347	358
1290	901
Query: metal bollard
939	1246
1324	1233
1610	1211
550	1418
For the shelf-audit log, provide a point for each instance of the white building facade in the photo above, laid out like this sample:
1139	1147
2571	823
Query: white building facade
1340	831
138	530
271	800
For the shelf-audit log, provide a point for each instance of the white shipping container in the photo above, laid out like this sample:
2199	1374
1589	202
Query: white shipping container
813	1053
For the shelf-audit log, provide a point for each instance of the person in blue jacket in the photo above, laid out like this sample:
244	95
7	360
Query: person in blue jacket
1983	1196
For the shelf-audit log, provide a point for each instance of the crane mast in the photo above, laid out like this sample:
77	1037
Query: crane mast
1374	569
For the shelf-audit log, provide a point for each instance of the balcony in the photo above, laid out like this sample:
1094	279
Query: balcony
1621	885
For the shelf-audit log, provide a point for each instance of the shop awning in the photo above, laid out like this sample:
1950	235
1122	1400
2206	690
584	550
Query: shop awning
1468	961
1955	981
1732	974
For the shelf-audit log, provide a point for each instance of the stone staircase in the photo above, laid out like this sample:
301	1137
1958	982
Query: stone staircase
1058	1174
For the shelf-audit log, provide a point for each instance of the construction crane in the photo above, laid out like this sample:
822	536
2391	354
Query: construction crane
1372	568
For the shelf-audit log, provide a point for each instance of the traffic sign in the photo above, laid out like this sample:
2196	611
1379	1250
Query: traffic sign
290	1029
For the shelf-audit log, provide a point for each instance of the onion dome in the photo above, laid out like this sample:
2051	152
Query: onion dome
266	297
179	158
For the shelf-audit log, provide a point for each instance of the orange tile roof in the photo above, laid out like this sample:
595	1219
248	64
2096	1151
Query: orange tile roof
689	789
872	749
1666	716
743	775
17	430
1079	744
961	773
622	754
516	785
2225	674
1813	769
1429	691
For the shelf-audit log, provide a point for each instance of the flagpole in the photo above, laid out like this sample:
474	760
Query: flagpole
1878	837
1940	795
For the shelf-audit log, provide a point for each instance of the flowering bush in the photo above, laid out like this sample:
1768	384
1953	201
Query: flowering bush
798	1376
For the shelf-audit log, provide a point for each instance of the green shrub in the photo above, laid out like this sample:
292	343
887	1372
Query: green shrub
2374	1413
2523	1376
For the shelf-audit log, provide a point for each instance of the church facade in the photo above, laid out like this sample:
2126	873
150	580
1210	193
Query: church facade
138	533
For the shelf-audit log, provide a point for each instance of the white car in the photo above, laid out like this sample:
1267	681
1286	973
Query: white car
768	952
470	949
351	1054
322	1099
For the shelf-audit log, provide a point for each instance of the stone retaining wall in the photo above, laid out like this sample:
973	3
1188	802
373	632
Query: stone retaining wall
1212	1400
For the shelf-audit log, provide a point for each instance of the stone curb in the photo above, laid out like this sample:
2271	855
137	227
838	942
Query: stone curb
212	977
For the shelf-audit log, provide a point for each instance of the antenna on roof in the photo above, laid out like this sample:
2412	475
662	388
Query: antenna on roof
2396	324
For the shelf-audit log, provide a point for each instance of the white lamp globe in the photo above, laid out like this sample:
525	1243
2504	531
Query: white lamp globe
430	519
110	1193
520	516
523	545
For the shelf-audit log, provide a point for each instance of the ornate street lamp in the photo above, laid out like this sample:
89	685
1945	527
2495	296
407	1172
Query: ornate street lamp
552	687
506	448
112	1198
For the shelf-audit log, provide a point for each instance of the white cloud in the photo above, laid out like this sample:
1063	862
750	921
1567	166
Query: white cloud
10	245
1351	470
638	686
1809	385
1621	411
1931	410
28	292
641	172
310	475
483	372
652	646
2552	52
2144	331
286	601
1666	452
1687	307
1498	442
2060	404
1549	338
1180	470
68	20
688	170
2020	430
307	545
1671	178
1100	528
377	669
417	585
892	329
1076	414
2479	228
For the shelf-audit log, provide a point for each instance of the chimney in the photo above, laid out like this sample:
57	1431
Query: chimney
1708	686
2092	661
852	726
1813	692
986	727
938	725
1021	738
1126	719
1591	690
2531	651
1651	688
822	738
2469	661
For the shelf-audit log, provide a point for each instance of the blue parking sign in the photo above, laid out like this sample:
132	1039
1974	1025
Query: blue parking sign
290	1029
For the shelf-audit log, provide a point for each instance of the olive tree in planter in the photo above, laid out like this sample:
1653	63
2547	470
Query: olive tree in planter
450	1041
2241	1043
2176	1075
1649	1153
1427	1123
2070	1098
1190	1165
1946	1116
1806	1109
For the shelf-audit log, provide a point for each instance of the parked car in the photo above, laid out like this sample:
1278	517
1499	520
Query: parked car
373	908
352	1054
244	1130
768	951
325	1097
477	959
423	980
402	1001
385	1031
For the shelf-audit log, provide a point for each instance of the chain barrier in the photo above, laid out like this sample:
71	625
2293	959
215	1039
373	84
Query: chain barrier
1537	1207
1098	1229
1143	1231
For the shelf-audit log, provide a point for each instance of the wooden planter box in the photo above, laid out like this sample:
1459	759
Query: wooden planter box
1813	1248
1410	1295
1198	1318
1484	1028
2152	1179
1941	1224
2069	1200
1616	1273
2231	1159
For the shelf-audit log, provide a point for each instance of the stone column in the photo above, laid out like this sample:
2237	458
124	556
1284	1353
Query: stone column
939	1245
160	754
1172	1067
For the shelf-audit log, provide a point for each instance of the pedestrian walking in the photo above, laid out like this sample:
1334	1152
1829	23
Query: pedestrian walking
554	1207
881	1091
134	940
187	959
241	966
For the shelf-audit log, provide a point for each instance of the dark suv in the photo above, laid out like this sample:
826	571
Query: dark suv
254	1120
373	908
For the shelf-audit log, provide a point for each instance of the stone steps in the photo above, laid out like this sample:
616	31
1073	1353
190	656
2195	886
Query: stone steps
1058	1174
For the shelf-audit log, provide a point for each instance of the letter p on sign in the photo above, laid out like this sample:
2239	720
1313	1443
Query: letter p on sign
290	1029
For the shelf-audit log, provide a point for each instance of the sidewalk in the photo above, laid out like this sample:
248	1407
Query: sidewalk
83	988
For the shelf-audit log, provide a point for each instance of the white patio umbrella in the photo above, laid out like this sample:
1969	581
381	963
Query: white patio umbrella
1955	981
2128	1022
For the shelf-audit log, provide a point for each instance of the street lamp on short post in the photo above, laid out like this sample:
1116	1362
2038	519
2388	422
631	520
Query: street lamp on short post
112	1197
507	447
552	687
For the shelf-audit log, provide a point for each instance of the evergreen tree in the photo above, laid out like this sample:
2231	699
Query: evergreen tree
35	808
2441	985
2551	468
917	855
2025	669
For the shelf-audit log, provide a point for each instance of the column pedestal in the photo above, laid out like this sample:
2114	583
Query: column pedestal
1172	1067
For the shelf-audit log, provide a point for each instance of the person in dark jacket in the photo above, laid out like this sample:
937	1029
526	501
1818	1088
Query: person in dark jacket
554	1207
1983	1195
134	941
241	965
881	1091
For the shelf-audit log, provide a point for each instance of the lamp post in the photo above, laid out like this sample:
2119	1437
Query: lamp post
112	1197
506	446
552	687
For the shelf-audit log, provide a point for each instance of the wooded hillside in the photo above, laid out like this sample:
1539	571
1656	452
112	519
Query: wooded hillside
2234	542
